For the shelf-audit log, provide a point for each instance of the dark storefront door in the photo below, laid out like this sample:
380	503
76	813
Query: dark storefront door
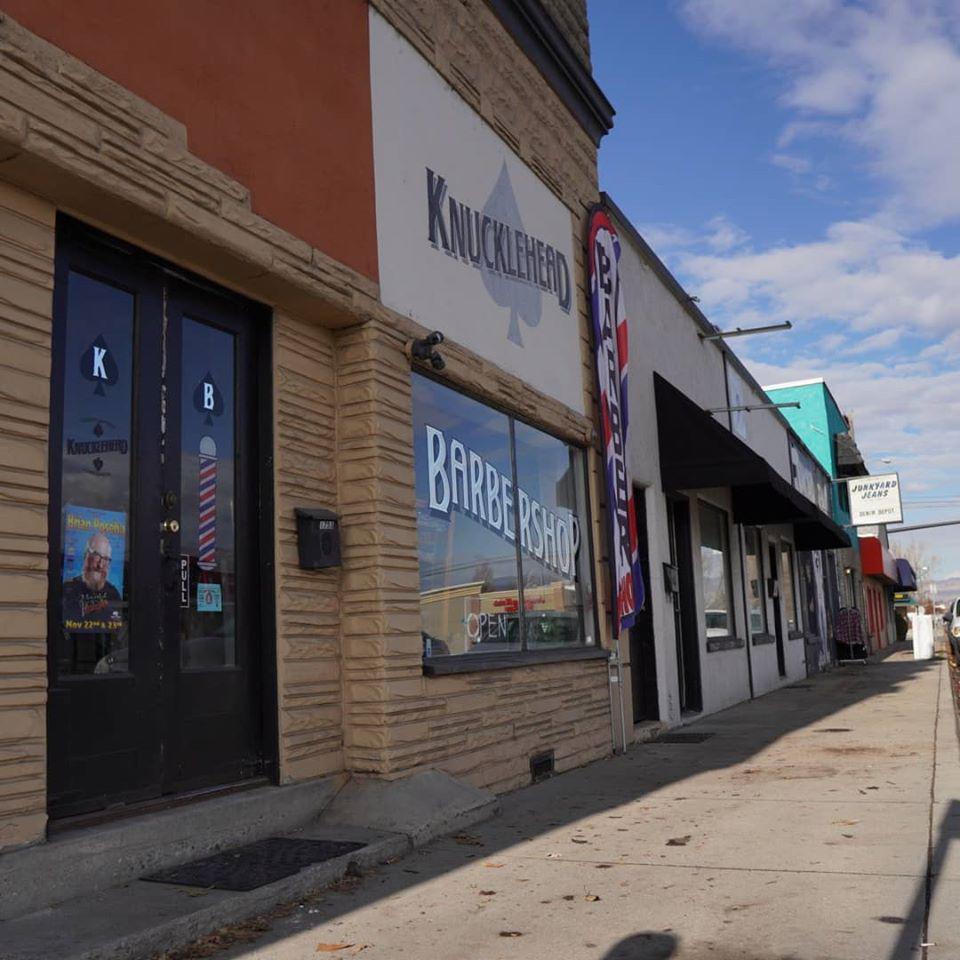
684	607
777	616
155	665
643	651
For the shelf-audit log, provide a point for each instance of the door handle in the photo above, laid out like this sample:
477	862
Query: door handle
170	526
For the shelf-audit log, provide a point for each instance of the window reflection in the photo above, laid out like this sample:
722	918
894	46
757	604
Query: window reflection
754	573
477	531
554	563
715	566
789	594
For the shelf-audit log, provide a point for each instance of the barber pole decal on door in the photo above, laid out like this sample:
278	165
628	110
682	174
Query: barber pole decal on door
207	526
610	344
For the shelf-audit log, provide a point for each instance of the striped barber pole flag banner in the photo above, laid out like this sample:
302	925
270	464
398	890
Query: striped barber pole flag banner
610	344
207	520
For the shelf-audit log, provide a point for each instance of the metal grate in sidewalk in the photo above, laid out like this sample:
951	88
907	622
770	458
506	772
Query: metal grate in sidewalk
254	865
683	737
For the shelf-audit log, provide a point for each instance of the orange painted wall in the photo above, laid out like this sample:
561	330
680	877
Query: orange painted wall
277	95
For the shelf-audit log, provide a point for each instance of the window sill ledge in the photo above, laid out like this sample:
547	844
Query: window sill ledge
759	639
715	644
796	635
476	662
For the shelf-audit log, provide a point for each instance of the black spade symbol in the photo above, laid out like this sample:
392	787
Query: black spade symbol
208	399
98	464
523	298
98	429
98	366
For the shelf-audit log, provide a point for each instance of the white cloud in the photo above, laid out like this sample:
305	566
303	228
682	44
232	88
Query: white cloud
876	308
898	411
722	235
861	277
877	341
883	74
789	162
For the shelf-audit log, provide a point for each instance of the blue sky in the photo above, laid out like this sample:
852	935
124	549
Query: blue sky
801	161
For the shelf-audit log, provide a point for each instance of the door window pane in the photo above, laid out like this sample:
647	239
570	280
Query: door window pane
551	502
754	573
789	592
466	524
208	629
715	564
97	381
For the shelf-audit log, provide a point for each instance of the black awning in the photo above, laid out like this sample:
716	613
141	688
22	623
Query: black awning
696	451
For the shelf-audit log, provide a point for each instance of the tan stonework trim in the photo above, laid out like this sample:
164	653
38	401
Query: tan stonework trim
468	46
26	305
471	373
77	138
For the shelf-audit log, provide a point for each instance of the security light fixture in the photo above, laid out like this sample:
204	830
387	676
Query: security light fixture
748	407
745	331
423	350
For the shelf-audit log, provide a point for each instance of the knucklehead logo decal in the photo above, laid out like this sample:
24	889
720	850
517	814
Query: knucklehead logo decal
518	269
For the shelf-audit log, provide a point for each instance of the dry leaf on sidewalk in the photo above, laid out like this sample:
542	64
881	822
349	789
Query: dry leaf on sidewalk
495	866
510	933
488	893
591	898
332	947
678	841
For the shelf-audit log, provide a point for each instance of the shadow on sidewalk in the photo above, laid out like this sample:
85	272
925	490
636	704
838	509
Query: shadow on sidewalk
737	734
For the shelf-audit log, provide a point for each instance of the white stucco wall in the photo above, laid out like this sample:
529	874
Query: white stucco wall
664	339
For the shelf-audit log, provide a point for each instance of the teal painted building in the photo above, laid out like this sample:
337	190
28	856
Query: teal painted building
818	420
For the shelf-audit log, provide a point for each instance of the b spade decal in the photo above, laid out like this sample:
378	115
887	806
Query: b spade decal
523	299
98	366
207	399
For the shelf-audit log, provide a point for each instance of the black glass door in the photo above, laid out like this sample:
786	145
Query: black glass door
777	617
153	604
209	496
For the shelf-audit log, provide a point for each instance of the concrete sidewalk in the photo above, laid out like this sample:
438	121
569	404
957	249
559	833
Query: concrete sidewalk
801	829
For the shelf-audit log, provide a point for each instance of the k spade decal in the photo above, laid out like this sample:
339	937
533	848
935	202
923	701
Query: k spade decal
207	399
98	366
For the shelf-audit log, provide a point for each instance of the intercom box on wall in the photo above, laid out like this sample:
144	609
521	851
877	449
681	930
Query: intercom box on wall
318	538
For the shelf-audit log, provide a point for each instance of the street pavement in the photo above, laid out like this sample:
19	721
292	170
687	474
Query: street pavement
820	822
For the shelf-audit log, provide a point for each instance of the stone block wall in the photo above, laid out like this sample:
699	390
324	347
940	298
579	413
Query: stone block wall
308	601
571	17
352	694
467	45
26	292
484	726
380	613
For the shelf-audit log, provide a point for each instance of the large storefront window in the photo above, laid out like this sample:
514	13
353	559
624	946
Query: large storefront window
501	510
715	564
754	573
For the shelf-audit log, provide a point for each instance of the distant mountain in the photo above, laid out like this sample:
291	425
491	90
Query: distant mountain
947	589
